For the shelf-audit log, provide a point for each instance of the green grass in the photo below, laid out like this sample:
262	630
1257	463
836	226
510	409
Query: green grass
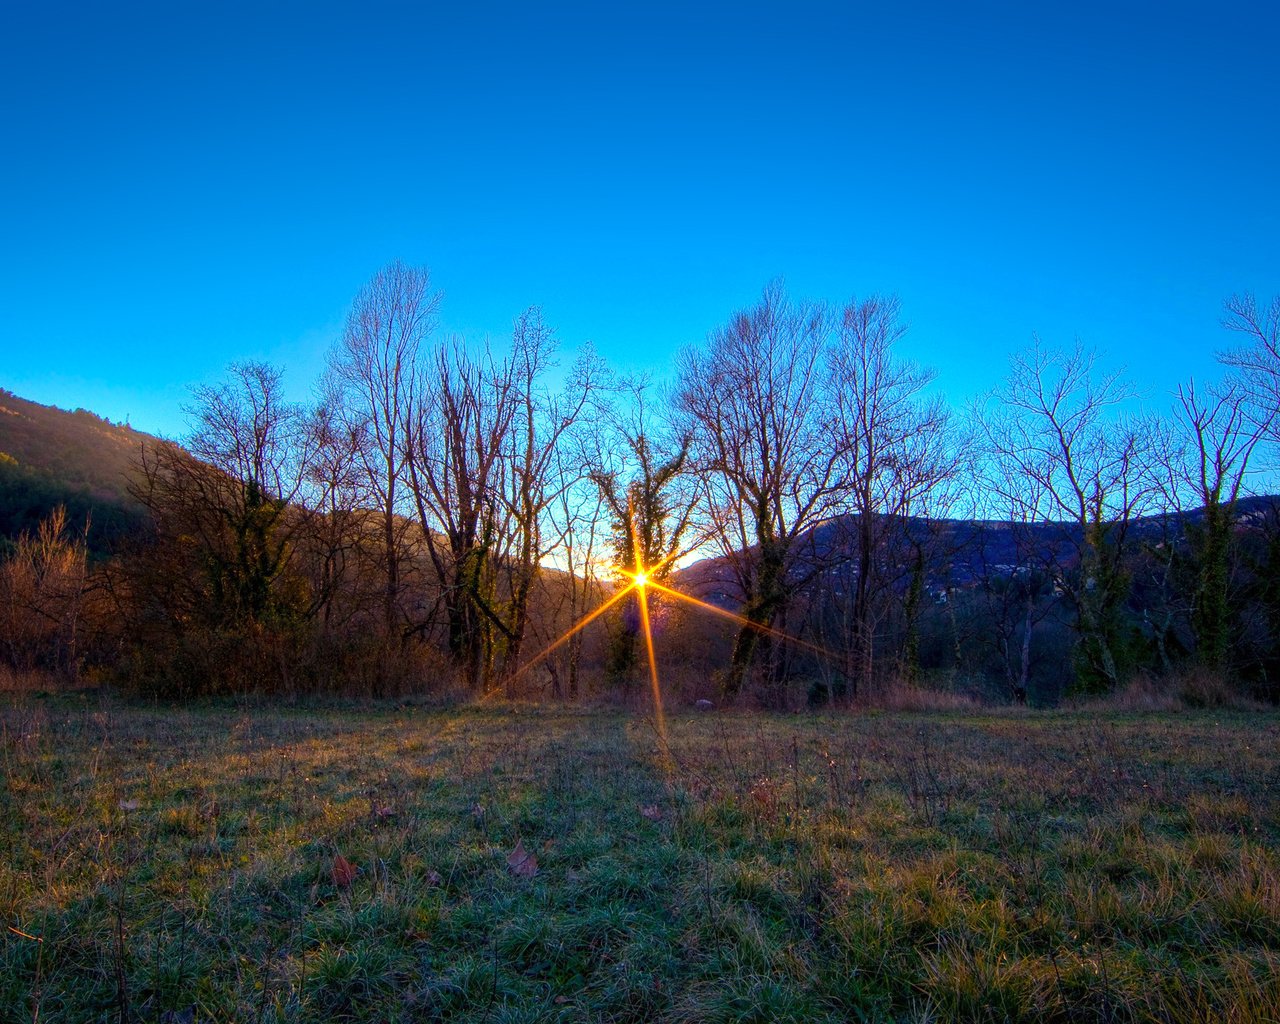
176	864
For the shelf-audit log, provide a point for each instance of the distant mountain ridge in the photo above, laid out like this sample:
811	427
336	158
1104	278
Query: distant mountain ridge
50	457
962	551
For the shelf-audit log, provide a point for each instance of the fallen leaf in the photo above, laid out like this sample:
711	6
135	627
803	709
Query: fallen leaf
433	878
130	805
651	811
521	863
343	873
561	1000
417	936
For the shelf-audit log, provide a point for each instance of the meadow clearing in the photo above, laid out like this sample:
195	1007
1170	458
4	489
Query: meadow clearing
250	862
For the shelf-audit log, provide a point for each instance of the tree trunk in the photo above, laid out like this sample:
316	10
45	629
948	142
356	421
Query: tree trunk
760	612
1211	612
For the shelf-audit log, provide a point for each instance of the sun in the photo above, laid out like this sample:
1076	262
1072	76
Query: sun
646	580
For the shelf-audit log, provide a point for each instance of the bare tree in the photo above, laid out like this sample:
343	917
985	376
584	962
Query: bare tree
1222	433
576	515
898	462
1259	357
756	403
255	442
1059	450
536	476
373	371
334	493
42	588
244	427
212	597
645	486
482	443
457	437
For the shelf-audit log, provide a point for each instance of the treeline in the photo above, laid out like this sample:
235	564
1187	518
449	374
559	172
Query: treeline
444	514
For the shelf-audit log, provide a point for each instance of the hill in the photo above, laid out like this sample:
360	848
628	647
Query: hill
960	552
50	457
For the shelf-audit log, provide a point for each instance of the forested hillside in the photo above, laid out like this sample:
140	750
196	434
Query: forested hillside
51	457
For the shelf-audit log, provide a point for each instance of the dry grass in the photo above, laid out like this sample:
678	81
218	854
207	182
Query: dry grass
1193	688
907	696
168	864
28	681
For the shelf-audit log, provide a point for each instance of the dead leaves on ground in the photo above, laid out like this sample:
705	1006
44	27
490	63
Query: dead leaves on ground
522	863
343	872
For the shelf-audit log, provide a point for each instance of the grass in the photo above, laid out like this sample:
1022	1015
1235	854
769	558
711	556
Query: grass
177	864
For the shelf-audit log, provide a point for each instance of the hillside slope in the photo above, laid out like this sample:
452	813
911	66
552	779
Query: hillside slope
50	457
962	552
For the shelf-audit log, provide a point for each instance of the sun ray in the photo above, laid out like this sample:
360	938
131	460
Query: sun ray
659	717
742	620
564	637
642	580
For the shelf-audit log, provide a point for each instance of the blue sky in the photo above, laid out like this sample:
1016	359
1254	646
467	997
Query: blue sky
186	185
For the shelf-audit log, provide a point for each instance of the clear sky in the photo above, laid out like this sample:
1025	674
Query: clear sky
183	185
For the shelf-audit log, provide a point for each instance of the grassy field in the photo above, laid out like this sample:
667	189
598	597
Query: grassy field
180	865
